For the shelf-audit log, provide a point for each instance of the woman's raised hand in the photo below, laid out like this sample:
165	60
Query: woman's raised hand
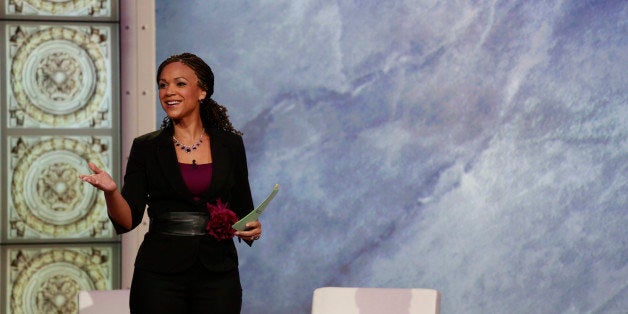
99	179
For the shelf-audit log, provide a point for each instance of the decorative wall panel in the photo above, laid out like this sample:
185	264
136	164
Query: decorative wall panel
60	76
46	199
58	111
47	280
56	8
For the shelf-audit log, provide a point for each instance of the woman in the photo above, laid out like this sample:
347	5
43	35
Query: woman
193	176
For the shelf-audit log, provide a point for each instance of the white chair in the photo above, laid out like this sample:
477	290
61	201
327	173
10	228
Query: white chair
337	300
104	301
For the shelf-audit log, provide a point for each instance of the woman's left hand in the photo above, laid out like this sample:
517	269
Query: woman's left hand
252	232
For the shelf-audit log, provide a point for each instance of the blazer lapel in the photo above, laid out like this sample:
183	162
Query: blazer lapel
221	163
170	165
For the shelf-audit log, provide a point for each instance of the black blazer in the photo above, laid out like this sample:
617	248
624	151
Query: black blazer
153	178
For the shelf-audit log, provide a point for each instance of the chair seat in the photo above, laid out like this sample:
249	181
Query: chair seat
345	300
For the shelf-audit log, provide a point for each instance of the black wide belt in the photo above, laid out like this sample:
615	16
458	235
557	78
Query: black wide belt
180	223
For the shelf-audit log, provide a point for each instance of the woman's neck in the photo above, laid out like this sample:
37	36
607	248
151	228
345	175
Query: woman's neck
188	132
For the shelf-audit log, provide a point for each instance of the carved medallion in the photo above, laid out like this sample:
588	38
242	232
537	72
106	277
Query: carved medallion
43	280
60	7
59	76
47	197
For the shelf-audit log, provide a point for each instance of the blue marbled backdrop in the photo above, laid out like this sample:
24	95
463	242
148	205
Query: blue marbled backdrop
475	147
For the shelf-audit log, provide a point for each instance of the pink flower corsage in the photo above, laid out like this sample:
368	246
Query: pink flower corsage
221	220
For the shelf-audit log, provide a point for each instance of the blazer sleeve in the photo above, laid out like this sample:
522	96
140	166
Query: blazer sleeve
242	201
135	186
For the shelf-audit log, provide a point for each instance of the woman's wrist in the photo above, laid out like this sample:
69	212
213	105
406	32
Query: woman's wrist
110	193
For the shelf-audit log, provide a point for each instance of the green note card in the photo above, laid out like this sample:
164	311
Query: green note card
254	214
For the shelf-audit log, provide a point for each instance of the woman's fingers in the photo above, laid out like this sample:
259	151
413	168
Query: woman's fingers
253	231
93	167
99	179
253	225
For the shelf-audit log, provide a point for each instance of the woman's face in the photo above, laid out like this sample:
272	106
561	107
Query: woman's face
179	92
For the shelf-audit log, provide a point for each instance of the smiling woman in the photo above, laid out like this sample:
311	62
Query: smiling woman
195	163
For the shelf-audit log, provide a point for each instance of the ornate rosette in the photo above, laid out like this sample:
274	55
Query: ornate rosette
59	75
61	7
47	196
48	280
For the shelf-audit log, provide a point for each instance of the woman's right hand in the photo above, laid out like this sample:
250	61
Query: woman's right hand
99	179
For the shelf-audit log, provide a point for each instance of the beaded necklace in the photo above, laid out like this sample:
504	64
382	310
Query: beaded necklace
186	148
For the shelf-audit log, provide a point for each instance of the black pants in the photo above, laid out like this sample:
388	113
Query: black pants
195	290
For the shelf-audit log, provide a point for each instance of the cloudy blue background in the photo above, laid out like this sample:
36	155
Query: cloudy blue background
474	147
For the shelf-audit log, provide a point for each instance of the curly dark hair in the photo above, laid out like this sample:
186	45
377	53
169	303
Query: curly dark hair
213	114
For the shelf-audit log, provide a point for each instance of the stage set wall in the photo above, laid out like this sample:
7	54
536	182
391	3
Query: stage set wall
474	147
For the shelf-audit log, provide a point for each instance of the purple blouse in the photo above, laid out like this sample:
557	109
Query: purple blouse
197	177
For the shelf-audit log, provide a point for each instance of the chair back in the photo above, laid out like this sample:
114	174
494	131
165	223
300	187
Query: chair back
103	301
342	300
